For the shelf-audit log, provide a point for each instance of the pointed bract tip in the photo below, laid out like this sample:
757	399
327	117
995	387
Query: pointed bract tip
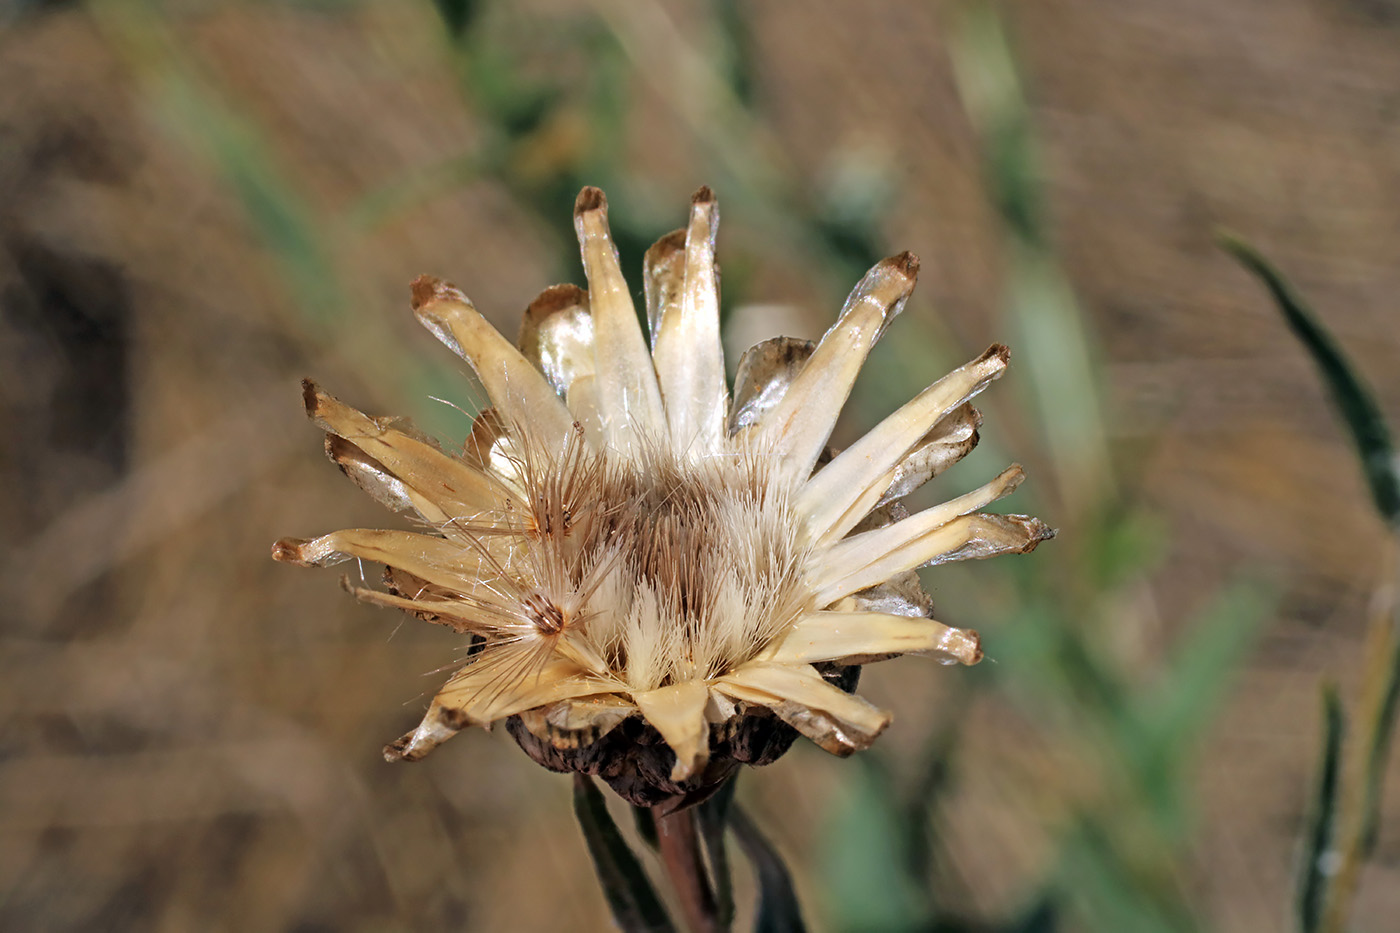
703	196
905	262
590	199
1038	532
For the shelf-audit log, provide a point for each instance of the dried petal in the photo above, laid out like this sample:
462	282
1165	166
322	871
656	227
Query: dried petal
948	442
766	372
966	538
556	335
850	485
436	560
837	721
863	637
686	346
798	426
381	485
449	486
468	699
902	595
515	386
663	278
629	399
678	713
579	721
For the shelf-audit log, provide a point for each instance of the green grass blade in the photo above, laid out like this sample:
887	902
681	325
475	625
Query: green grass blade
1382	730
1352	397
635	905
1172	717
281	218
1061	379
778	910
1315	869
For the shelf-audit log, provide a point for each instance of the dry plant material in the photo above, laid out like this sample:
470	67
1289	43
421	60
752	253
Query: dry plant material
657	582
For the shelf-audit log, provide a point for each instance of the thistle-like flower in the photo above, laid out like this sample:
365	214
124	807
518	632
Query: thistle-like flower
657	582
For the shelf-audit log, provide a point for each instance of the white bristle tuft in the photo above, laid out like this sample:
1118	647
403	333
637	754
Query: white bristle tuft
662	568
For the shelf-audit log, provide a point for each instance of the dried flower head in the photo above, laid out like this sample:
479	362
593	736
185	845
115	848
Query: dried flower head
659	583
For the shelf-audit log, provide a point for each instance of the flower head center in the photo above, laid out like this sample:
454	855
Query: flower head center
680	569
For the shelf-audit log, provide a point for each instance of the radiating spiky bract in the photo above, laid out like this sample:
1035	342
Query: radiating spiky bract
659	584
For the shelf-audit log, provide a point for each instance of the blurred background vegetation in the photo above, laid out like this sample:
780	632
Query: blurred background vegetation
201	203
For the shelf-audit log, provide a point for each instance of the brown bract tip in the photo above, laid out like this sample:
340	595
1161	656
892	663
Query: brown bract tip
288	550
667	246
556	298
703	196
590	199
998	351
906	262
1038	532
423	289
310	397
428	288
973	654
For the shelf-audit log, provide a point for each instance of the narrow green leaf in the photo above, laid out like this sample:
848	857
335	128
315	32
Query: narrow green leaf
1382	730
778	910
1124	544
1170	719
714	824
635	905
1219	637
1314	872
270	198
1061	379
1351	395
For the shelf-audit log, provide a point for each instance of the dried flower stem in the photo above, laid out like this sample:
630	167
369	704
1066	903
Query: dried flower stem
678	841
